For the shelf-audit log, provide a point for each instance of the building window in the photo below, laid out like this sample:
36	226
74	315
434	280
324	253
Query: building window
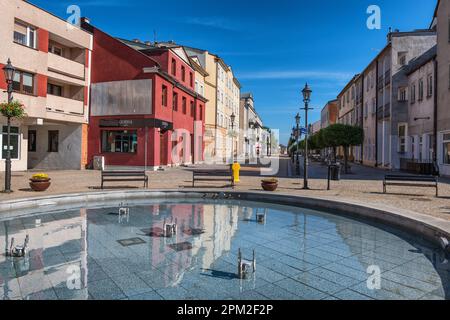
402	94
54	89
413	93
430	86
449	30
119	141
53	141
402	58
55	49
174	67
200	112
14	142
402	134
164	96
183	73
175	101
191	79
420	89
192	109
24	35
32	136
23	82
183	105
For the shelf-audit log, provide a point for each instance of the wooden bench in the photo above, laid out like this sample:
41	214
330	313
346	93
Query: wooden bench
212	175
122	176
412	181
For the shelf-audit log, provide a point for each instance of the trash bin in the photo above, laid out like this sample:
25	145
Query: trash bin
335	172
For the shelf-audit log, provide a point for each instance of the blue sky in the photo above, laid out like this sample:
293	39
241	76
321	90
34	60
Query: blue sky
274	47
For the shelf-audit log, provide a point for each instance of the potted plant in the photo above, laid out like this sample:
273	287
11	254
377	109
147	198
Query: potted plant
269	184
40	182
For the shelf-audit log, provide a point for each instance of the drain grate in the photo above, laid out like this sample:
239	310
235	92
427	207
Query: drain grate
182	246
193	232
131	242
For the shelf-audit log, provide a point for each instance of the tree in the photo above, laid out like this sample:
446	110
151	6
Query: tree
341	135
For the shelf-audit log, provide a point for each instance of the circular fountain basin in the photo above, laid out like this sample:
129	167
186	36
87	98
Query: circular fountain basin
91	251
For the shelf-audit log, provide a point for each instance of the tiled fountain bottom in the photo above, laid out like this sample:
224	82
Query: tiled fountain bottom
300	254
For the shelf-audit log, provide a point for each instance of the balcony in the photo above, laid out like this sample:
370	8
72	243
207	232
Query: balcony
66	66
65	105
387	78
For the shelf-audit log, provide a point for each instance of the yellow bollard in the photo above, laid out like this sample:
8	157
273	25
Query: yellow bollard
236	167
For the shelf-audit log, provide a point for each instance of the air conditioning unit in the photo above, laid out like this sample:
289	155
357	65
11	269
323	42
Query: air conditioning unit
99	163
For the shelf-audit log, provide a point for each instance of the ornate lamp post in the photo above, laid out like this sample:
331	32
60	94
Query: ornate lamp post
9	71
306	92
233	153
297	138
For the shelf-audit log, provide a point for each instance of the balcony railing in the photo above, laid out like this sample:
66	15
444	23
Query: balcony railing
66	66
380	83
65	105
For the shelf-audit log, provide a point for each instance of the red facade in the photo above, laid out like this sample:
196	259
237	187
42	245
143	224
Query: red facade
112	60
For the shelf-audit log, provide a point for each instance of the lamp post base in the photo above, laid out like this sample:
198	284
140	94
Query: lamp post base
7	191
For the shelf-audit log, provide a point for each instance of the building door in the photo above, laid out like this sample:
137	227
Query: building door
163	149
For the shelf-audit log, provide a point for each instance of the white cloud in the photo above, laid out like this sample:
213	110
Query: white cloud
296	74
213	22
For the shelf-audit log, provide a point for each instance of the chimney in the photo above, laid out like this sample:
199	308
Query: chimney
85	20
389	35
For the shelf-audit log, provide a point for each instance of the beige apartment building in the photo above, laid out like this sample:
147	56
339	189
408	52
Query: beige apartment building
441	23
420	143
251	129
350	106
370	114
222	90
52	78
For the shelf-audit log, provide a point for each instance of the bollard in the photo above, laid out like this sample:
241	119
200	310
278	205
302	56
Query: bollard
236	167
329	178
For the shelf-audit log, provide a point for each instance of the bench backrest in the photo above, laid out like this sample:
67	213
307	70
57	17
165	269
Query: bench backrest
410	178
205	173
123	173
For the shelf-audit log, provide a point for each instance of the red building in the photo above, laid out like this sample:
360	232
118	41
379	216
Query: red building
144	109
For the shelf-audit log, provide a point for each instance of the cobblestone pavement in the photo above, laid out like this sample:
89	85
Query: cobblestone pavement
364	184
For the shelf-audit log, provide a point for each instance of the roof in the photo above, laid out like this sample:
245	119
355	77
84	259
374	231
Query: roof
421	60
247	95
197	67
435	14
356	76
420	32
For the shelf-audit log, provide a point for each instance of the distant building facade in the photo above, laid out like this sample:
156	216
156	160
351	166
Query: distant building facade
329	114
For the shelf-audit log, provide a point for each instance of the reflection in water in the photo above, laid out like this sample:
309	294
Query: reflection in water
116	254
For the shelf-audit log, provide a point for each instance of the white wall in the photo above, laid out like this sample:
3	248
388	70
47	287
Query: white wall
69	151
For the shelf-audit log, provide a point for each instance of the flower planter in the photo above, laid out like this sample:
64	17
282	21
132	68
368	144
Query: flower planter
269	185
40	185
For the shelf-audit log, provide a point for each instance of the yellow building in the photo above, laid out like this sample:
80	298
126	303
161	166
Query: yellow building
222	90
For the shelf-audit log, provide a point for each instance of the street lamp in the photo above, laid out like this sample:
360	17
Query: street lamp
306	92
297	138
233	118
9	71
